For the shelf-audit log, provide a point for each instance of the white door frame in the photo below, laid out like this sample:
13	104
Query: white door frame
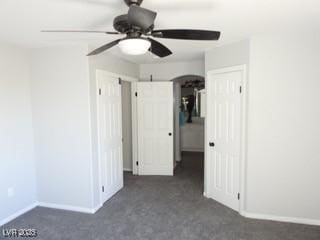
134	116
135	168
243	137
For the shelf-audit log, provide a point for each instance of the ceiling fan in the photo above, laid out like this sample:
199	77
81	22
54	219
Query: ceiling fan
138	26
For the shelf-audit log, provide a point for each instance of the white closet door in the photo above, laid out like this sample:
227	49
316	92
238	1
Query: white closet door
223	136
110	134
155	128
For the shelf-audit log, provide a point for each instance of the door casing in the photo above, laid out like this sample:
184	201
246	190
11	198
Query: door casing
243	131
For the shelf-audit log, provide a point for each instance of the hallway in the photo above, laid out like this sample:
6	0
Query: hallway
161	208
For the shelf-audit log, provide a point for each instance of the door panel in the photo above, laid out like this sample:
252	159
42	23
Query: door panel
224	130
155	122
110	134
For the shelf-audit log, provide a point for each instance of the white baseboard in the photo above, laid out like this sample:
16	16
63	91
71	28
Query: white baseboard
281	218
95	209
69	207
19	213
276	218
127	169
50	205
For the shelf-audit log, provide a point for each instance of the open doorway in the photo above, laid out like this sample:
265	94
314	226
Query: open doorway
114	131
189	123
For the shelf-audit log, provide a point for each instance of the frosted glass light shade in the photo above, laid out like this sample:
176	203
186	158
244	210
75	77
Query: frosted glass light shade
134	46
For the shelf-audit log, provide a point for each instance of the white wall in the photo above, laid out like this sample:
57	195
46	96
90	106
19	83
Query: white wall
16	137
192	135
126	125
169	71
284	130
230	55
61	115
64	108
283	156
114	65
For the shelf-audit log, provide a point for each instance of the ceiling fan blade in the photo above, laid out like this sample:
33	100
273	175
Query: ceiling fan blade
159	49
186	34
78	31
141	17
104	47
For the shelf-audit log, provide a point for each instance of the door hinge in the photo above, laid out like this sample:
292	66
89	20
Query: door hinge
99	91
238	196
136	94
120	81
137	163
240	89
102	188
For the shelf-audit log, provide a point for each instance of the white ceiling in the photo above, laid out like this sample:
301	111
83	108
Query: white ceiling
22	20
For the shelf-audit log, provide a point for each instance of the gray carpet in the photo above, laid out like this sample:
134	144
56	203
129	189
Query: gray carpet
161	208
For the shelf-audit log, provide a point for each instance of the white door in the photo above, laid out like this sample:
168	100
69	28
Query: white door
155	126
109	134
223	136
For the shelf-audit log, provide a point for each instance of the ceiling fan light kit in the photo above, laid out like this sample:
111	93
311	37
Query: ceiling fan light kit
134	46
139	22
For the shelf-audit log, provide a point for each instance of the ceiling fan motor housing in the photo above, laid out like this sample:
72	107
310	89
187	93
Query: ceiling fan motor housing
120	24
135	2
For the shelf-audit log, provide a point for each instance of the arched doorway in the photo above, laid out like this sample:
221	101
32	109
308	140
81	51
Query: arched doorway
188	123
